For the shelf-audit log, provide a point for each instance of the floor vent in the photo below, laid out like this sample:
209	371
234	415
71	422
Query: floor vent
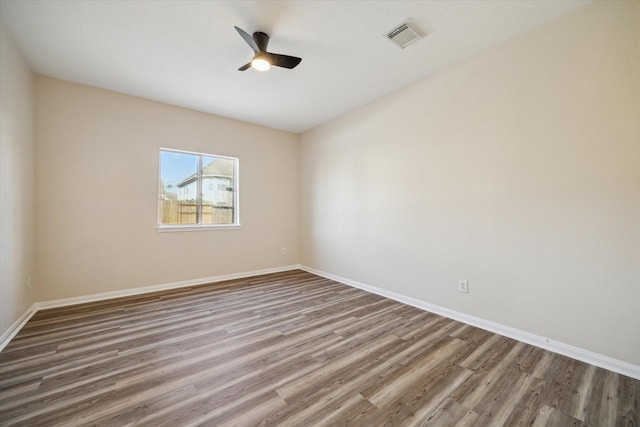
404	35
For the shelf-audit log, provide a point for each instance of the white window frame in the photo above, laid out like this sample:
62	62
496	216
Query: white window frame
199	227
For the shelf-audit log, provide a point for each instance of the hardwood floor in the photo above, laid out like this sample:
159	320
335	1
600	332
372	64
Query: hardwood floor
290	349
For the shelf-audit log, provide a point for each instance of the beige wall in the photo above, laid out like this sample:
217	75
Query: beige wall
97	186
517	170
16	183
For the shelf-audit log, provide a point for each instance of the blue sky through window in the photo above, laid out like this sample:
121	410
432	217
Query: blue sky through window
175	167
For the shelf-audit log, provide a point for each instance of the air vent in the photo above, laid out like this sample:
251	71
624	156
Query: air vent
404	35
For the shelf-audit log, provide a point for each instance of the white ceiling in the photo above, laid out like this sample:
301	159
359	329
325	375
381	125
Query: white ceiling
187	53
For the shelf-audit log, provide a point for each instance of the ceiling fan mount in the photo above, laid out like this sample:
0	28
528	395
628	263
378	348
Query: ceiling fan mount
262	59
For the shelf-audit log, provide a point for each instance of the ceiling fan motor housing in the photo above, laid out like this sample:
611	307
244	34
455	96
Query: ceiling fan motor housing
262	40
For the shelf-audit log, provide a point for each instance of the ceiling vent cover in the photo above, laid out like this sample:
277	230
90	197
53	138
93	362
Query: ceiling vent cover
404	35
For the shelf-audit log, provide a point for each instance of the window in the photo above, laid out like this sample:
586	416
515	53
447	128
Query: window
197	190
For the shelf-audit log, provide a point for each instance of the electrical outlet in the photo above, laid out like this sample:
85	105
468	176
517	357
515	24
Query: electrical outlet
28	281
283	251
463	286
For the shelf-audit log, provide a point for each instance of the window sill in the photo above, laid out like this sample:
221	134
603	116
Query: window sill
174	228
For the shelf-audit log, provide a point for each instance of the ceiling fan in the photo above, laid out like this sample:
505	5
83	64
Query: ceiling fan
262	59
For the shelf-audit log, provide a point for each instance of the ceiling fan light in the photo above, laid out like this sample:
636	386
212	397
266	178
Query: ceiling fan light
260	64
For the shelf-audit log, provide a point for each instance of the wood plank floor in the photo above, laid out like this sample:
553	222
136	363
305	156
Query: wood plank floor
290	349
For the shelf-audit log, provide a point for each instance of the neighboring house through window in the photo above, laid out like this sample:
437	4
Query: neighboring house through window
197	189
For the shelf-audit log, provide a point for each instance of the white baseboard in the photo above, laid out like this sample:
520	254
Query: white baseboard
606	362
17	325
600	360
15	328
155	288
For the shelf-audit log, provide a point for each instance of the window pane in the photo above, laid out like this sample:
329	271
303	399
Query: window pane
197	189
179	188
217	190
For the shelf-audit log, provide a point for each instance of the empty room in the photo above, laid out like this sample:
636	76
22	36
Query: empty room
319	213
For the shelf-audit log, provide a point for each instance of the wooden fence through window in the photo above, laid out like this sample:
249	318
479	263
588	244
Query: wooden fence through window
177	212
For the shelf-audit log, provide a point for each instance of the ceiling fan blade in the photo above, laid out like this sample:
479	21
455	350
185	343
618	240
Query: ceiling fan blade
244	67
247	38
284	61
